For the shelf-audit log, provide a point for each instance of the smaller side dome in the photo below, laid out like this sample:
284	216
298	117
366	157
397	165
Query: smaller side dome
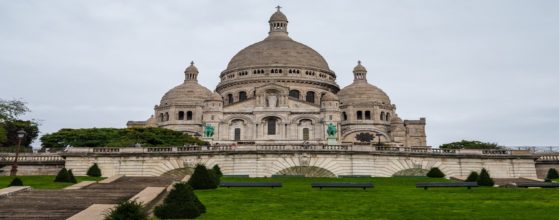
329	97
215	97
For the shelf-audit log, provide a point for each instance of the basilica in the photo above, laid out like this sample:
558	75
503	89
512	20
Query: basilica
280	91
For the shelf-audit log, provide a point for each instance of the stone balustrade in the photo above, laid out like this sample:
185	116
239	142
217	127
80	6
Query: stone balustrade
31	157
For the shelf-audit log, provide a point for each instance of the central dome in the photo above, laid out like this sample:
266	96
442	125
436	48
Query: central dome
277	51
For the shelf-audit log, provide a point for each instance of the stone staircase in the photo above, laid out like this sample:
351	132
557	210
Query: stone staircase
62	204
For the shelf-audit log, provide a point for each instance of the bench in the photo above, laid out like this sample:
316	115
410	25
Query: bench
363	185
250	184
354	176
290	176
537	184
235	176
469	185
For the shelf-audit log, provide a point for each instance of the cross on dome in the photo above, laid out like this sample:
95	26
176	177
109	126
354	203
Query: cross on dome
278	7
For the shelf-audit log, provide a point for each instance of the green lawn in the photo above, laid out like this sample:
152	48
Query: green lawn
43	182
392	198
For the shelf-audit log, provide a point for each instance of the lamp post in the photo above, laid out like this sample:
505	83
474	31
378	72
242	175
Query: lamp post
20	135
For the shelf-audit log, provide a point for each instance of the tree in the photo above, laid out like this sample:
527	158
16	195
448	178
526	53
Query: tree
71	177
472	177
16	182
217	170
11	109
94	171
10	124
128	210
202	178
62	176
484	179
435	172
181	203
552	174
465	144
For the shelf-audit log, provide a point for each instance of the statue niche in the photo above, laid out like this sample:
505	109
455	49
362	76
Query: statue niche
272	101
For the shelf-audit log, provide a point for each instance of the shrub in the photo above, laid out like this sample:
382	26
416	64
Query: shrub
180	203
435	172
552	174
484	179
465	144
202	178
94	171
62	176
472	177
215	177
16	182
127	210
217	170
71	177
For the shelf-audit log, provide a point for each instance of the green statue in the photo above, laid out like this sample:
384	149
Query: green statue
331	130
208	130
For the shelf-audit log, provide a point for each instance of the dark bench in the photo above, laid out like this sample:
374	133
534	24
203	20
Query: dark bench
250	184
236	176
450	184
537	184
354	176
291	176
363	185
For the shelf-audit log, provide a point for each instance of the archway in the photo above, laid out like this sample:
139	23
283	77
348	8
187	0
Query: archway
307	171
412	172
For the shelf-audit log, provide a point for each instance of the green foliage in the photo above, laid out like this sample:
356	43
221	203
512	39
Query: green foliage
128	210
71	177
11	128
215	177
465	144
552	174
63	176
44	182
117	137
435	172
181	203
217	170
11	109
202	178
484	179
472	177
94	171
3	134
16	182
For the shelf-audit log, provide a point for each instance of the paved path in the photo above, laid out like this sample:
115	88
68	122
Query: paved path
62	204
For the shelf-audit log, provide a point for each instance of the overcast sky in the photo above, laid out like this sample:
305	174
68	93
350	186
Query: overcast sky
479	69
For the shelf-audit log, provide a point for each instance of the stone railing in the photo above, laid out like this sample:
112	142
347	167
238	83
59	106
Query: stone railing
549	158
31	157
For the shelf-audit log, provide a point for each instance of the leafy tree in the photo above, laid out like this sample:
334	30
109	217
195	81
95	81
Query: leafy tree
11	109
435	172
217	170
128	210
484	179
11	128
202	178
117	137
465	144
94	171
71	177
62	176
181	203
472	177
552	174
16	182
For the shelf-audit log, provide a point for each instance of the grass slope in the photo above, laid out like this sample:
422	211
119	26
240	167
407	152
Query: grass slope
392	198
43	182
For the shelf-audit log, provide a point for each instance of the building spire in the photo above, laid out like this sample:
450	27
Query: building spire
191	73
359	72
278	23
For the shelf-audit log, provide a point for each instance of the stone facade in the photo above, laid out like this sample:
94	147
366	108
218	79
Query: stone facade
282	91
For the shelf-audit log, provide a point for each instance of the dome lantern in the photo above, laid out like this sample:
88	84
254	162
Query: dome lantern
191	73
278	23
359	72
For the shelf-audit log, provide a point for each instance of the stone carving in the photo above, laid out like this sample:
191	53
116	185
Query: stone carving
272	100
332	130
208	130
364	137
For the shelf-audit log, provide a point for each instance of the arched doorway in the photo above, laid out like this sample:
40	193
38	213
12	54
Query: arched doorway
307	171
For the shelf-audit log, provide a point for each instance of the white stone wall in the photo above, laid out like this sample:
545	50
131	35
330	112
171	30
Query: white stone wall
260	165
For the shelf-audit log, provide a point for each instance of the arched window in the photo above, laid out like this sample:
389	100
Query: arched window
382	116
161	117
306	134
387	117
359	115
310	97
272	126
230	98
344	115
181	115
189	115
166	116
242	96
294	94
237	134
367	115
